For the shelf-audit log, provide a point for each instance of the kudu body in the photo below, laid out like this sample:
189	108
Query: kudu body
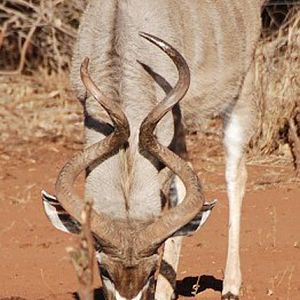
217	39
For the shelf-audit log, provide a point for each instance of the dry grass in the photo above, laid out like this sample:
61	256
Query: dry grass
38	107
277	64
38	33
36	39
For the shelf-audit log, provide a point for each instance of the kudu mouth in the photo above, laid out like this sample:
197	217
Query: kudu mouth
153	235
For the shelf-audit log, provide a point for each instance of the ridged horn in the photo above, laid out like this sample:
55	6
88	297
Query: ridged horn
172	220
101	224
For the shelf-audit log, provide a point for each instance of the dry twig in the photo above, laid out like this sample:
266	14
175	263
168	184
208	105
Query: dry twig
277	84
83	256
30	29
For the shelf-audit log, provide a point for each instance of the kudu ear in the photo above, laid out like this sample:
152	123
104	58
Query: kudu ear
198	221
58	216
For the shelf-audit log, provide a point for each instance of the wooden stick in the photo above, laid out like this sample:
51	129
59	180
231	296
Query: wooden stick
82	256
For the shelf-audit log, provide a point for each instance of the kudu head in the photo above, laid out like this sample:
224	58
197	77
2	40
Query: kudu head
127	250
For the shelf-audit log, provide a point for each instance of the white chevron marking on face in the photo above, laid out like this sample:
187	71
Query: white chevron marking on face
111	287
138	297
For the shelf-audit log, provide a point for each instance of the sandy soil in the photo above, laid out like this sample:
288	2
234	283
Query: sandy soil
35	265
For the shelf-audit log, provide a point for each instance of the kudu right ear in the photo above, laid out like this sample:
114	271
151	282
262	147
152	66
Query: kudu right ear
58	216
198	221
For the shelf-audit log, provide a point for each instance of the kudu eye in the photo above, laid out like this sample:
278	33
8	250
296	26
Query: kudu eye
152	273
106	274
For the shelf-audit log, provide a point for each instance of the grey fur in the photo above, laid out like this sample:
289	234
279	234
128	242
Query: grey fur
218	50
217	39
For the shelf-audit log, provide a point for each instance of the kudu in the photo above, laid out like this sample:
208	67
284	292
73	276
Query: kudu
132	135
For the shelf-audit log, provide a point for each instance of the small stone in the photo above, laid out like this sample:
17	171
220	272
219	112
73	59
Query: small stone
269	292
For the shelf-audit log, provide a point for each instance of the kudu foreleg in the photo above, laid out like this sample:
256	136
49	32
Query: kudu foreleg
166	282
238	131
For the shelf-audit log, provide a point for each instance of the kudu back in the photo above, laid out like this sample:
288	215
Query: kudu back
130	90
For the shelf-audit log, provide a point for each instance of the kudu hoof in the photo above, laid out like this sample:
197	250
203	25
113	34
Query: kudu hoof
229	296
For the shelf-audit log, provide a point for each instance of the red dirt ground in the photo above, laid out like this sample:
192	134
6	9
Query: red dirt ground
35	265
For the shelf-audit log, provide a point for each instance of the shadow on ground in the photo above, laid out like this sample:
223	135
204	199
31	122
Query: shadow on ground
188	285
184	287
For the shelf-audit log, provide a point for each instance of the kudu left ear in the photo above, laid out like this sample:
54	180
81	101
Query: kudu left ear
198	221
58	216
